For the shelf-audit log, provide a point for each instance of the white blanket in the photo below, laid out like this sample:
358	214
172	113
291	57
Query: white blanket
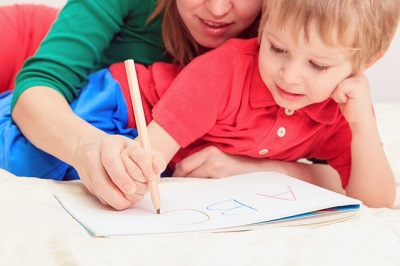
36	230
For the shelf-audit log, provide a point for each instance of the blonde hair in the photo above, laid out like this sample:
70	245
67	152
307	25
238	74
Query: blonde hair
178	41
365	26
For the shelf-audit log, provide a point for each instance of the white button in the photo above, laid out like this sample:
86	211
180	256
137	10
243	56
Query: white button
263	151
289	112
281	132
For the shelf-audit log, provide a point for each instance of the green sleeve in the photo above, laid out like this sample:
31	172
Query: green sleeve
88	35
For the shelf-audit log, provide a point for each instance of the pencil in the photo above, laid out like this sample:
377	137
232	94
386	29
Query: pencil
141	125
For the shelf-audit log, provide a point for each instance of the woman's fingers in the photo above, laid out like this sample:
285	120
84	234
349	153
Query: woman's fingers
116	170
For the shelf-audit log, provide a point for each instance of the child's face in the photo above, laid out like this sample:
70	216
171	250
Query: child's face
213	22
299	73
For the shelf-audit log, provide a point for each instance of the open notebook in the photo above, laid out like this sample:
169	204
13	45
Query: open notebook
239	202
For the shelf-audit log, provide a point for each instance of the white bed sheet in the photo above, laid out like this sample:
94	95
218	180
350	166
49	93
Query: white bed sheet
35	230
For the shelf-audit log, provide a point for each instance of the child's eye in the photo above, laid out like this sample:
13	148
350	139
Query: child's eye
318	67
277	49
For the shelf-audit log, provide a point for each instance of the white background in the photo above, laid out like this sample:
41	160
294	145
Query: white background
384	75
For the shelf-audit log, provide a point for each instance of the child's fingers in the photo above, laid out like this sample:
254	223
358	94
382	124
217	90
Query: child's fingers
353	87
139	164
340	97
159	163
133	167
191	163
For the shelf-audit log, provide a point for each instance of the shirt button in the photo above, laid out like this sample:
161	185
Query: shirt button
263	151
281	132
289	112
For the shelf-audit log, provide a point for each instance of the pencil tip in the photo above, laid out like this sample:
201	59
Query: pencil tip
158	211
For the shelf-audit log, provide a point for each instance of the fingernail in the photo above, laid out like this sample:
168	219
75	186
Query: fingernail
129	189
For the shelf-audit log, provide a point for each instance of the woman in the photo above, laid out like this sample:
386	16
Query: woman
89	35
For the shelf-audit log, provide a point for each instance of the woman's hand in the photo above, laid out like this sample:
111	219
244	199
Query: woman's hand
116	169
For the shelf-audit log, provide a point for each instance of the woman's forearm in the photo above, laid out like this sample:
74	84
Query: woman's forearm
46	119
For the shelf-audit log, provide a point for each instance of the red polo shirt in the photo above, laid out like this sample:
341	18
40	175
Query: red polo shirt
23	27
220	99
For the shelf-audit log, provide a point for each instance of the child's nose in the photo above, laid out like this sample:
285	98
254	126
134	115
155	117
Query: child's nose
219	8
290	72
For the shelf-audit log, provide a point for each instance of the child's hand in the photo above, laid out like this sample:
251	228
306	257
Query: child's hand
142	166
353	96
211	162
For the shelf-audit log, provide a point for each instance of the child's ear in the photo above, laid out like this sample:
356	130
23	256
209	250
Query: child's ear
373	61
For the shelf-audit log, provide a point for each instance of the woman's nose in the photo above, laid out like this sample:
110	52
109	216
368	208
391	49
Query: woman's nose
219	8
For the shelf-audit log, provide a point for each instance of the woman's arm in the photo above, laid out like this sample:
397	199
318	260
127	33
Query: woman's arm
81	40
46	119
88	35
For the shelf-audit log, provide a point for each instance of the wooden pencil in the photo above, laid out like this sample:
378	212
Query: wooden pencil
141	124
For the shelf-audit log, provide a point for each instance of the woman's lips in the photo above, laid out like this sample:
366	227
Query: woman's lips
215	28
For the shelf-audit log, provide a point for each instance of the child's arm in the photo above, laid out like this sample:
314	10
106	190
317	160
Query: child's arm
371	178
162	142
211	162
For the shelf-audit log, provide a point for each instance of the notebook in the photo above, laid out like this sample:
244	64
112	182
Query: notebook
242	202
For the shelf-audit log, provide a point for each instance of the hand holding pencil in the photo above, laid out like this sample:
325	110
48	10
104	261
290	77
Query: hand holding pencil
141	126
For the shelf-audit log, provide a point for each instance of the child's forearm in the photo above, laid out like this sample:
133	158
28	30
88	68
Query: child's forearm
371	179
211	162
162	142
322	175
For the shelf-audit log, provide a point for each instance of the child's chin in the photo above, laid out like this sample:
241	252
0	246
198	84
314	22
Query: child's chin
289	104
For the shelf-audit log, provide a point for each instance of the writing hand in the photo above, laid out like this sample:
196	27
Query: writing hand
105	167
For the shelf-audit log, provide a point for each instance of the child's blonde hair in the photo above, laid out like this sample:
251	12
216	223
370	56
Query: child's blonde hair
365	26
178	41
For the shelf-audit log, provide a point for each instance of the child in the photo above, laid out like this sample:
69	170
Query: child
300	93
297	92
